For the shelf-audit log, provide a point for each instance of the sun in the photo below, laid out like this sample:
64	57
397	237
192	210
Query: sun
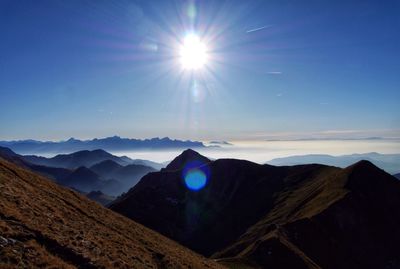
193	52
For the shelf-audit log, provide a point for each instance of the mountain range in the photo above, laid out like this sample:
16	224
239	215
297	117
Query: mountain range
43	225
85	171
262	216
80	158
388	162
114	143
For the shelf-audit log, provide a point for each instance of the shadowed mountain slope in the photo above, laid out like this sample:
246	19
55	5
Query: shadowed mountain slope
83	179
100	197
152	164
306	216
43	225
127	176
342	220
105	168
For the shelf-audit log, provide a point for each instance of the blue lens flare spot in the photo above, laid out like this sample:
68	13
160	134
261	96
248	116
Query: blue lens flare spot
195	179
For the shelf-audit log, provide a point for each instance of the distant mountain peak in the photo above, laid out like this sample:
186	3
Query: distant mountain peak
190	152
98	151
84	169
364	163
188	155
365	175
108	162
114	137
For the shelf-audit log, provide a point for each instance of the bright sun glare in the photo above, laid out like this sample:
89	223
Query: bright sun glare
193	52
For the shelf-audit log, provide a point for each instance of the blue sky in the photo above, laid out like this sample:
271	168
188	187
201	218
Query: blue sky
100	68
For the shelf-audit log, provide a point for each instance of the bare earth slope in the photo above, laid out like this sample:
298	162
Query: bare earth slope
47	226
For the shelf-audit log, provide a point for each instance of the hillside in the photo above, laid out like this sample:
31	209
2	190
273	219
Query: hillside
43	225
108	175
55	173
306	216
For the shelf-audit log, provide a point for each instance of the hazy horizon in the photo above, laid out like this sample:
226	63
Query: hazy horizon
263	151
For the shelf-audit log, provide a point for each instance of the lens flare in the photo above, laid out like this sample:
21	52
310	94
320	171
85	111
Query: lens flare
195	175
198	92
191	11
195	179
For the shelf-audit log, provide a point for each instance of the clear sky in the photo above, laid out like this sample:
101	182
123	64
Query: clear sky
89	69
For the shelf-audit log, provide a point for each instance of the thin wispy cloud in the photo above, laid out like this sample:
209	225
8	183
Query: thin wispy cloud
258	29
345	134
274	73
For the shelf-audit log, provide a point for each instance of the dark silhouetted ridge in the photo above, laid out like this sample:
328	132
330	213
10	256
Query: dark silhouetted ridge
303	216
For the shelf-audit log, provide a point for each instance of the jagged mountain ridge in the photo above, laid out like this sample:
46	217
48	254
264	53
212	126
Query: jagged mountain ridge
114	143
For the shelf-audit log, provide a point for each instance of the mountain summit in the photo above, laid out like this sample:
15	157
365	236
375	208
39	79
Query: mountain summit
185	157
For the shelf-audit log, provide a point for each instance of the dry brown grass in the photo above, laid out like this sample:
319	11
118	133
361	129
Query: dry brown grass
58	228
